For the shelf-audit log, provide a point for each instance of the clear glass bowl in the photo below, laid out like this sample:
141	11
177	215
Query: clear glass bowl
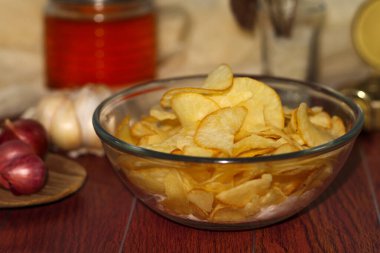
302	176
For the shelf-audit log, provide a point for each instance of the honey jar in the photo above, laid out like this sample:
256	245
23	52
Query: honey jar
111	42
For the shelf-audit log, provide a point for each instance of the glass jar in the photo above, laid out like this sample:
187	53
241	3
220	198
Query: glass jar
111	42
290	37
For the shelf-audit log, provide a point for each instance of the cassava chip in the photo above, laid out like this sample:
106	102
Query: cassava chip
201	199
195	150
192	108
256	152
123	131
150	180
146	126
226	214
240	195
165	101
285	148
228	117
310	133
253	142
217	130
261	96
161	114
272	197
176	193
337	129
321	119
219	79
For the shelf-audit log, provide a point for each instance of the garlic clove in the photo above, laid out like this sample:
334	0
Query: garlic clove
67	117
65	128
47	107
85	101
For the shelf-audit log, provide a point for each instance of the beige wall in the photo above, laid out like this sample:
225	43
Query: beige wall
214	38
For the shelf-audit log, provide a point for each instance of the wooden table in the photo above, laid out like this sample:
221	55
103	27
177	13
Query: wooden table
104	217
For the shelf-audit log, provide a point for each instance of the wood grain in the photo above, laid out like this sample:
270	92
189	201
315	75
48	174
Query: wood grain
92	220
343	219
104	217
371	152
167	236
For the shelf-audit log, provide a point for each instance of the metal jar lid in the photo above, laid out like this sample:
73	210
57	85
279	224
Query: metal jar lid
367	96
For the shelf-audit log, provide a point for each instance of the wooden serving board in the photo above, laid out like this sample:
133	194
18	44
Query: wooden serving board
65	177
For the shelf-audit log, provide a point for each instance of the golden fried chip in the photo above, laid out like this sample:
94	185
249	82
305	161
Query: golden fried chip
321	119
285	148
244	175
272	197
176	193
150	140
174	142
220	180
161	114
316	109
146	126
150	180
318	177
337	127
233	96
219	79
201	199
289	183
263	96
253	206
123	131
198	175
310	133
240	195
222	213
191	108
228	117
217	130
194	150
256	152
165	101
253	142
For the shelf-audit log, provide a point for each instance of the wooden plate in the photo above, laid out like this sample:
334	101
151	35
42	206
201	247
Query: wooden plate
64	178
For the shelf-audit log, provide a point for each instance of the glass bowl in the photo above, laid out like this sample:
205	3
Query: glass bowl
298	178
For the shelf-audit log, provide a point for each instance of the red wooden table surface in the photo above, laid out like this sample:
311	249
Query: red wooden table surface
104	217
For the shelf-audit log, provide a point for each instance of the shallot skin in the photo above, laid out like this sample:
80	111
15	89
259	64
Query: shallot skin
27	130
25	175
11	150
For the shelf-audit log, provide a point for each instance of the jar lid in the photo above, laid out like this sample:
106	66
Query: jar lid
365	33
367	96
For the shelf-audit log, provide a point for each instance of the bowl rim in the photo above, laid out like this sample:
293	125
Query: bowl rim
120	145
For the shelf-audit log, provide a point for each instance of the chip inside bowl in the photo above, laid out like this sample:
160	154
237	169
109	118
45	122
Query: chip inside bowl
228	117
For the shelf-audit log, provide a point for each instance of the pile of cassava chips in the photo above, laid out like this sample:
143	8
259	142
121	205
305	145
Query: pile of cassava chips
228	117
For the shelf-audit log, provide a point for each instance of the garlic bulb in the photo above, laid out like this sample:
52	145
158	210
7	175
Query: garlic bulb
67	117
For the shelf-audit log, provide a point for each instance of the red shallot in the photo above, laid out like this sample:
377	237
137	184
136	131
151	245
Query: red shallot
23	144
27	130
25	174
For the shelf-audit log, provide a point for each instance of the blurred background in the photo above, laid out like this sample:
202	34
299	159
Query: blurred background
213	37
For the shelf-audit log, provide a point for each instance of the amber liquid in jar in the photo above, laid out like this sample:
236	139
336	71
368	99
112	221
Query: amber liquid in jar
99	47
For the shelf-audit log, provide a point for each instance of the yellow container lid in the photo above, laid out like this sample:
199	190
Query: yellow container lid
366	33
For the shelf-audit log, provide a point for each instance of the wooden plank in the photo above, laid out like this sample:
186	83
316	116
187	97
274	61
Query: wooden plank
97	219
92	220
341	220
150	232
371	152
